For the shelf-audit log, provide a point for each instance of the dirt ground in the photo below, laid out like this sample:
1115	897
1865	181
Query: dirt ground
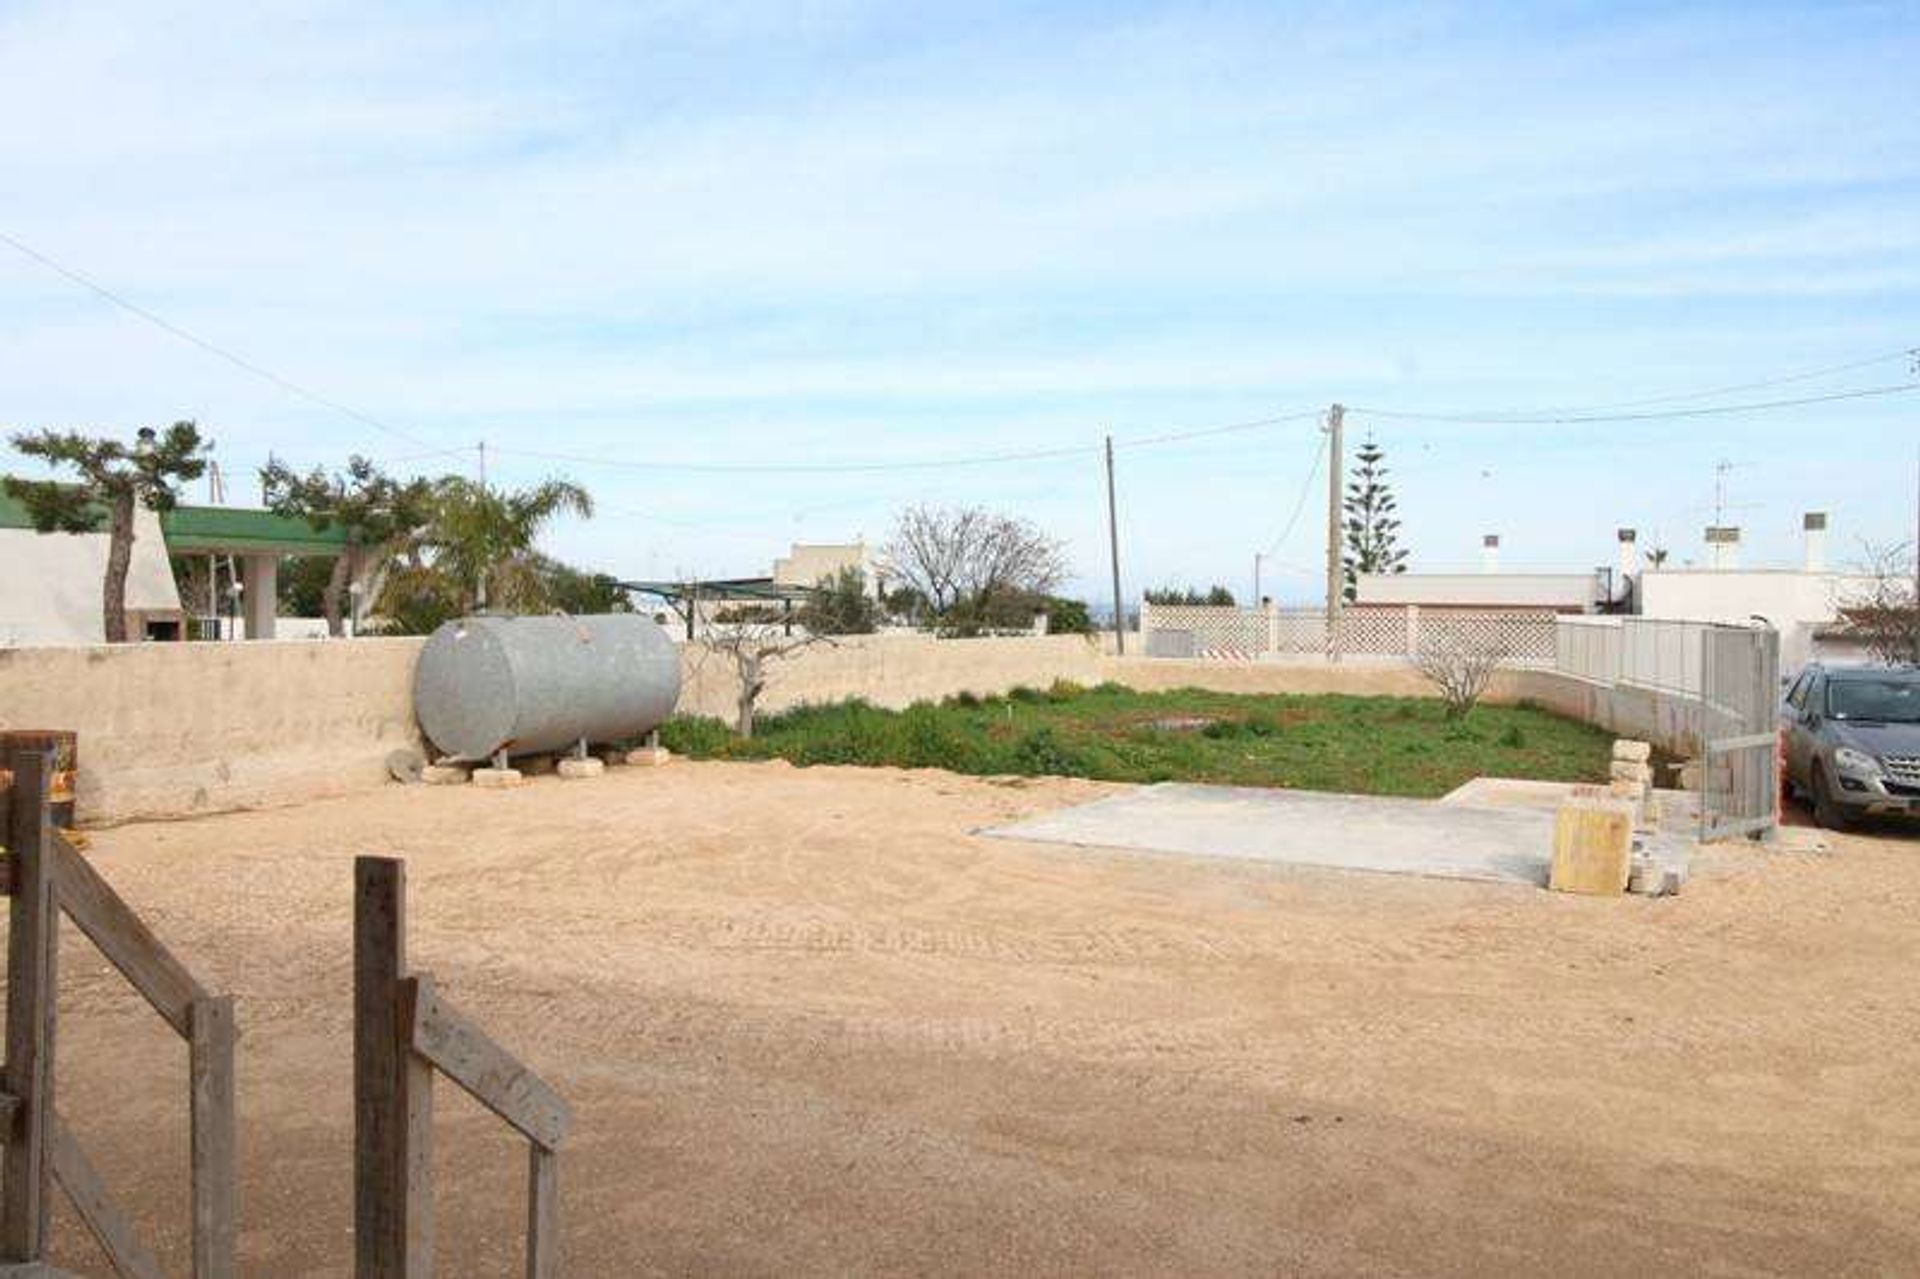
810	1024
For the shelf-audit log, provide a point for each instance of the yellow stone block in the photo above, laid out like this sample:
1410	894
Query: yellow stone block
1592	847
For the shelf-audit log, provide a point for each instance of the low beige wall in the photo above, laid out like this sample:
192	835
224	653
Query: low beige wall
1358	678
1670	721
892	671
171	729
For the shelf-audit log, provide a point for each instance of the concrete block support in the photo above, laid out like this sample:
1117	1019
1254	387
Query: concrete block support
576	769
498	778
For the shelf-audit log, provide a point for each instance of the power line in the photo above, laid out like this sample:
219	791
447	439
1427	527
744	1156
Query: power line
917	464
1299	502
1484	419
213	348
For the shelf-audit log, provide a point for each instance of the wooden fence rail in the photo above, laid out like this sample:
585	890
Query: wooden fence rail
44	878
403	1031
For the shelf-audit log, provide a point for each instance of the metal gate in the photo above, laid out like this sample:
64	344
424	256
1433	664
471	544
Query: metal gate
1739	731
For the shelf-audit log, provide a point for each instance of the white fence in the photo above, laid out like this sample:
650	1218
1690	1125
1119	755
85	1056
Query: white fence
1231	633
1643	652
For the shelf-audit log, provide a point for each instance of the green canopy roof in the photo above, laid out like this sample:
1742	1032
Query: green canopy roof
222	529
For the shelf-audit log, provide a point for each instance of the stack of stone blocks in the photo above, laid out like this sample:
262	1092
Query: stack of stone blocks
1597	847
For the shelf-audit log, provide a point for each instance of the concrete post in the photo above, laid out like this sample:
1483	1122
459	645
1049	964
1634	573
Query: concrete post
261	576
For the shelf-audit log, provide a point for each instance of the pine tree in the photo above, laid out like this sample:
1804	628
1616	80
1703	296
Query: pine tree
1372	528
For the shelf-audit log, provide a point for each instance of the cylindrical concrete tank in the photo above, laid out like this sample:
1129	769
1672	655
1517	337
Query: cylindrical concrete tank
529	684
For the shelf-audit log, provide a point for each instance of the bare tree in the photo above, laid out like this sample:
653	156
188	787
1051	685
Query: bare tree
1460	668
961	559
1885	615
748	649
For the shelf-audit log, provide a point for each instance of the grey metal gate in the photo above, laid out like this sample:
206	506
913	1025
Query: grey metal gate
1739	731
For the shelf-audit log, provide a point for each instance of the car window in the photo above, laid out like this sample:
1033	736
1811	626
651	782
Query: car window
1797	695
1893	698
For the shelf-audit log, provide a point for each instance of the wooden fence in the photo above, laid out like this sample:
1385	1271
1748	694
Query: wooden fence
46	878
403	1031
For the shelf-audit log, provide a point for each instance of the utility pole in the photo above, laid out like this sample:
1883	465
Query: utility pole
1113	546
1257	557
480	587
1336	464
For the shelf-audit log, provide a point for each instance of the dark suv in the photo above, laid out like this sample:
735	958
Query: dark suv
1851	738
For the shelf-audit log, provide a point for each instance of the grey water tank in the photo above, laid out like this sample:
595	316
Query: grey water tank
528	684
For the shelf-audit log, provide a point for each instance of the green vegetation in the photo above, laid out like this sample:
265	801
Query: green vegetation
1363	745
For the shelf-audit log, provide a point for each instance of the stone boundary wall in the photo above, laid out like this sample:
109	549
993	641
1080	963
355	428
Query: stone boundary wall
168	730
891	670
171	729
1670	720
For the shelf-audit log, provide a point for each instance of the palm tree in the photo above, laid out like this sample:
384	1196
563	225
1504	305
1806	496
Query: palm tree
482	540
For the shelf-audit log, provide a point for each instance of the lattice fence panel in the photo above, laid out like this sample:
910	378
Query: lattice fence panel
1218	631
1519	635
1300	630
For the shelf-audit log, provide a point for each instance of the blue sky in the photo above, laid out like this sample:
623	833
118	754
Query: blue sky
829	231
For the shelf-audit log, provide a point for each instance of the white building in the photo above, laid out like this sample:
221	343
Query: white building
808	564
1799	602
1803	602
1489	588
51	593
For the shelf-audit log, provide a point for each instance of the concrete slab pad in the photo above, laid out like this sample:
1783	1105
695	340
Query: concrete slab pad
1342	832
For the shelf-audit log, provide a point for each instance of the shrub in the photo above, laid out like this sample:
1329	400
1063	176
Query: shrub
964	699
1512	738
696	736
1040	752
1027	696
1065	690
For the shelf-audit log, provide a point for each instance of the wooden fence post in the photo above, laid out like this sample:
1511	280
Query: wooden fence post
210	1068
392	1089
32	943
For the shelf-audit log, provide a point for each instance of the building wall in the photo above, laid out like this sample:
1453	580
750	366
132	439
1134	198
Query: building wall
50	583
1796	603
1573	592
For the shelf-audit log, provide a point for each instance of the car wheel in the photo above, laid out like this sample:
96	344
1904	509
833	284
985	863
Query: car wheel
1826	812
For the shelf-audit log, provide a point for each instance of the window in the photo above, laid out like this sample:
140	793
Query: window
1797	695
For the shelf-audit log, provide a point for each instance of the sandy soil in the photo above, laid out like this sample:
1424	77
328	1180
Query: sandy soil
811	1025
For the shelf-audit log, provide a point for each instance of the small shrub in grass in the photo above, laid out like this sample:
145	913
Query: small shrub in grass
1064	690
964	699
1024	695
1108	688
1040	752
925	741
1512	738
695	736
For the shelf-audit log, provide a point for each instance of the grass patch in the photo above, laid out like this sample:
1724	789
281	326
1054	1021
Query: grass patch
1360	745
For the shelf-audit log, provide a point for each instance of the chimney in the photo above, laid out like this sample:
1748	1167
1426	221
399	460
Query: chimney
1723	546
1629	556
1813	528
1490	553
